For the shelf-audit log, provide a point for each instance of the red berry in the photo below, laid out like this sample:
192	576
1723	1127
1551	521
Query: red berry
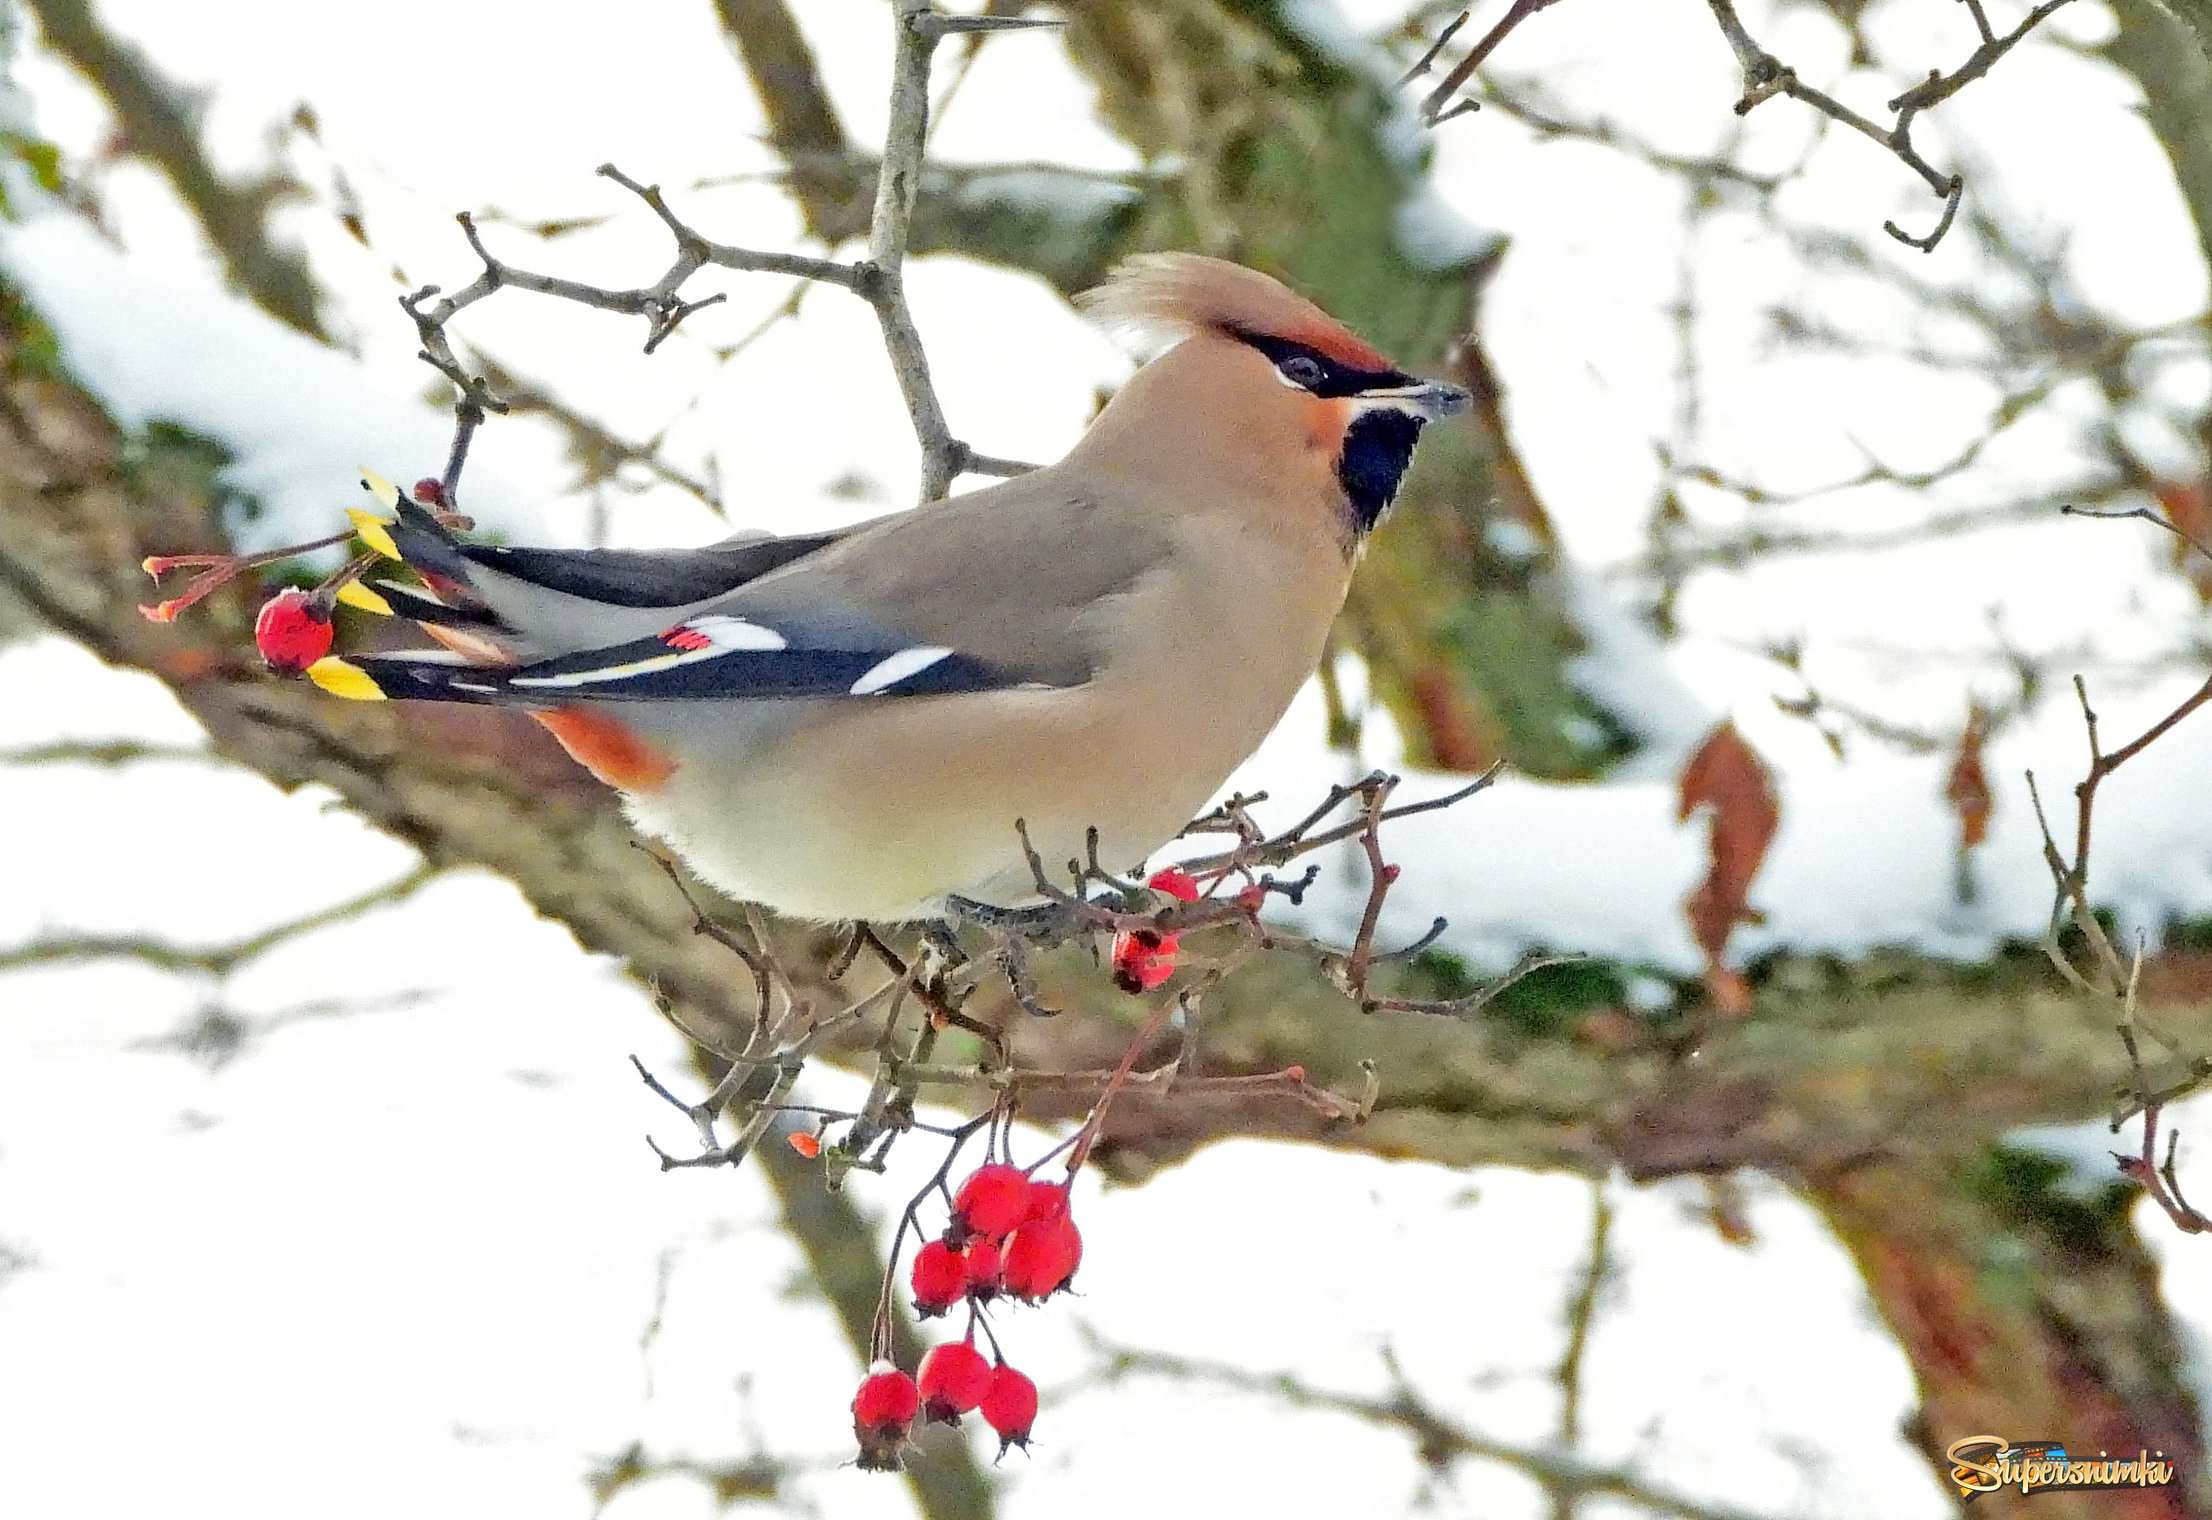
1174	883
1143	959
940	1278
292	632
1010	1407
1046	1200
990	1202
983	1270
1042	1256
883	1416
953	1380
429	491
805	1144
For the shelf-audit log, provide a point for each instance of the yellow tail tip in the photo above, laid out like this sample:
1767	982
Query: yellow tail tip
386	494
371	529
343	678
354	594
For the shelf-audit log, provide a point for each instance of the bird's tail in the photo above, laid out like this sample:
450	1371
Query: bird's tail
493	606
442	600
463	604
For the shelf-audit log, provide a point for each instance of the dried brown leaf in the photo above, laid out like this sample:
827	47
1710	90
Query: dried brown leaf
1967	787
2188	506
1727	777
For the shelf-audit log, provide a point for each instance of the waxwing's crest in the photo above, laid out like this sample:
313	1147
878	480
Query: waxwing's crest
1163	297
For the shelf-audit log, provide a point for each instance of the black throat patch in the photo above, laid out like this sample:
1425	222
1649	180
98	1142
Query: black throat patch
1377	448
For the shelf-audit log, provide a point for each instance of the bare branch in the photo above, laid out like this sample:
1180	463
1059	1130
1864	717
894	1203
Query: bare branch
207	960
1581	1315
1439	1441
879	279
1435	109
1765	76
108	753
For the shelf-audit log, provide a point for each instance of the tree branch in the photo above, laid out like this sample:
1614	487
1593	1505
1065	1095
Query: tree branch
1765	76
208	960
1439	1442
879	279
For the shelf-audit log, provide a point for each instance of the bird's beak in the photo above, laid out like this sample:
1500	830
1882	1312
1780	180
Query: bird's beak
1438	401
1432	401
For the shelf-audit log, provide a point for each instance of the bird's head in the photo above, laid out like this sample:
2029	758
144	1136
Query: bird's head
1262	381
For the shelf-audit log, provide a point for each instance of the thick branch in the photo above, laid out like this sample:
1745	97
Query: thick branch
803	124
2025	1305
2198	15
2176	78
475	786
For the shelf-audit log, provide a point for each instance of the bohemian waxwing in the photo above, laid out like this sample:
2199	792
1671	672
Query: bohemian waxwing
846	725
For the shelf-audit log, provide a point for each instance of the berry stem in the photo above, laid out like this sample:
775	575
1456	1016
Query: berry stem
1087	1136
908	1221
217	571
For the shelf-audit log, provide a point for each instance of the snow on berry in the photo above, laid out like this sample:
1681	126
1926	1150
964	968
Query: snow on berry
1041	1257
940	1278
292	631
1010	1407
883	1416
953	1380
989	1203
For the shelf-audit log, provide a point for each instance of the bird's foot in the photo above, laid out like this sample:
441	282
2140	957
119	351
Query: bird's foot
1044	925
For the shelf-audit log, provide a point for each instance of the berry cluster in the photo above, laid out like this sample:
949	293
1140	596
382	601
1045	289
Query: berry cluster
1009	1236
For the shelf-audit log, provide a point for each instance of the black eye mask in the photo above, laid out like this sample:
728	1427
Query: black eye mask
1334	380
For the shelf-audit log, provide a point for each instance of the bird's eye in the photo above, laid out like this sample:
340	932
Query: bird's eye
1300	370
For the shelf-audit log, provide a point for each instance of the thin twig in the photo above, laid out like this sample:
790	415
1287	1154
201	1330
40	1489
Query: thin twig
1766	76
1435	108
878	279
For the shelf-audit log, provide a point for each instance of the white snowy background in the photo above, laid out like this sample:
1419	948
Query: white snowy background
407	1253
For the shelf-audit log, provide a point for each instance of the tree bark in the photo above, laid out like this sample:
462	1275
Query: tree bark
2029	1312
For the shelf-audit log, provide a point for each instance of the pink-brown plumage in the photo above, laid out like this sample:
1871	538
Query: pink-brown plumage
1165	296
850	725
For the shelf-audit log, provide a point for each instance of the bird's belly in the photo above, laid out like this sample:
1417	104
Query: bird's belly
779	852
879	811
896	854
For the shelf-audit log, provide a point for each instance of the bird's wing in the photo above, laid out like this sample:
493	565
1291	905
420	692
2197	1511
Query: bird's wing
534	603
708	656
983	592
1024	576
